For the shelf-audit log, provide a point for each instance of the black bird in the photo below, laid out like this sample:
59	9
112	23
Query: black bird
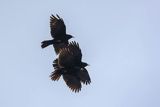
58	33
70	66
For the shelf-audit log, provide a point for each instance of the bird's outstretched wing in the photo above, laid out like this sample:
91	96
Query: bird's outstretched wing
66	59
75	50
72	82
55	64
84	76
59	46
70	55
56	74
57	26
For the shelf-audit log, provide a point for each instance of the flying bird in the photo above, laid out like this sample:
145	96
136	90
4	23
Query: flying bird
69	65
58	33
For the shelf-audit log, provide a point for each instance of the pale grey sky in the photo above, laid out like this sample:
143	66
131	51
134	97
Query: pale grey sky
120	39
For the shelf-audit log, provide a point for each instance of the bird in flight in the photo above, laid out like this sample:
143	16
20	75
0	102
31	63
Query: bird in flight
69	65
58	33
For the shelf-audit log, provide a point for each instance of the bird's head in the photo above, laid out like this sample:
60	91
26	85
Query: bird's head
84	64
69	36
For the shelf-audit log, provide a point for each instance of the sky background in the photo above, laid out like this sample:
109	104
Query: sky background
120	39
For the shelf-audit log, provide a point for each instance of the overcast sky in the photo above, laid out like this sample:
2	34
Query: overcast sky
120	39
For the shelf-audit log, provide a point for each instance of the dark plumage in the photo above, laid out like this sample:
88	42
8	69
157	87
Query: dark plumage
58	33
70	66
69	63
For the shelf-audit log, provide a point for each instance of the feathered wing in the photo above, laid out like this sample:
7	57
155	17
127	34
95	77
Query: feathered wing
70	77
70	55
55	64
72	82
77	54
84	76
75	50
59	46
56	74
66	59
57	26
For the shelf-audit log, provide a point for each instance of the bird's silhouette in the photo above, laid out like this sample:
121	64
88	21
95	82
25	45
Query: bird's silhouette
69	65
58	33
